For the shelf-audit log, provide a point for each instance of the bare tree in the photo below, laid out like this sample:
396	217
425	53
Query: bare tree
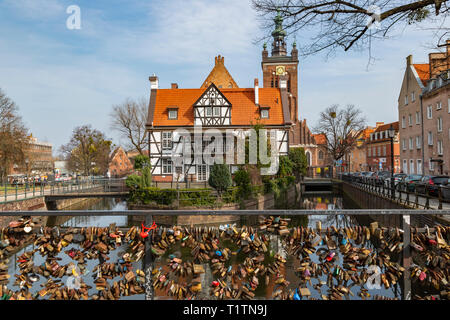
350	23
88	151
129	119
13	135
341	128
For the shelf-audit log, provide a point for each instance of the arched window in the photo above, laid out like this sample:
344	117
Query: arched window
308	158
321	154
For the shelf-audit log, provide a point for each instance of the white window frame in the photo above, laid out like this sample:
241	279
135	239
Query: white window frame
411	143
418	142
439	124
405	166
166	140
208	111
431	165
419	166
171	113
411	166
430	112
430	138
410	120
413	96
403	144
403	122
384	150
417	117
406	100
216	111
440	147
439	105
264	114
167	166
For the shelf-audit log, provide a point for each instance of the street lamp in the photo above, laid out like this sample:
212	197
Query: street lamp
391	133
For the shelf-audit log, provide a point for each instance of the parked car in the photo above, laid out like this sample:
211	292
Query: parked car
445	187
430	184
397	178
408	182
380	176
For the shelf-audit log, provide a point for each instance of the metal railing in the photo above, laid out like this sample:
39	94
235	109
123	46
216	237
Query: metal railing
16	192
406	230
400	192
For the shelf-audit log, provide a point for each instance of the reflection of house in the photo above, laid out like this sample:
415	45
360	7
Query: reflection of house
119	164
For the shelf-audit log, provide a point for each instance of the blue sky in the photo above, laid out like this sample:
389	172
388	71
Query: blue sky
63	78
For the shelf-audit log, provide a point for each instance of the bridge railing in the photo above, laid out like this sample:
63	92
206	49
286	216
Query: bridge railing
405	241
421	197
15	192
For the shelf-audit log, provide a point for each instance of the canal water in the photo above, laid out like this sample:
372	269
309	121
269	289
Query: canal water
317	201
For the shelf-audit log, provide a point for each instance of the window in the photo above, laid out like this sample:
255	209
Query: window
370	152
430	112
418	142
376	135
439	105
167	140
405	166
431	163
406	100
166	166
173	114
216	111
419	166
208	111
384	150
202	172
430	138
439	124
403	122
448	105
379	151
411	166
403	144
264	114
440	148
417	117
321	154
410	120
374	151
411	143
413	96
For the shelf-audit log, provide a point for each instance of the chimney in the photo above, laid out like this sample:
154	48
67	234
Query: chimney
153	82
174	86
409	60
256	92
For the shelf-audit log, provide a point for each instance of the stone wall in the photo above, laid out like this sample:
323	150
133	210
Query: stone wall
262	202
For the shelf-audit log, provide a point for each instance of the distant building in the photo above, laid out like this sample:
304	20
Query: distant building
119	164
38	158
379	149
424	115
357	157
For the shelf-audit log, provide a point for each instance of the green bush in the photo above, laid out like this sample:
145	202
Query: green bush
299	162
220	177
141	161
285	167
146	177
133	181
242	181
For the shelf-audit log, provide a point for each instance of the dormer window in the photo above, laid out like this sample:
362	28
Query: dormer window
173	113
264	112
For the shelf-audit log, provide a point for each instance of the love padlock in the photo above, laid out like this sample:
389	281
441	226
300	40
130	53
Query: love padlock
146	230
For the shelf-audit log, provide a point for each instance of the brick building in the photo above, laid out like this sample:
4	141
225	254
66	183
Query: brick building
38	158
357	157
378	148
119	163
424	114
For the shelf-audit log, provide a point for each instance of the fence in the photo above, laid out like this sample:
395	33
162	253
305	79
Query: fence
38	189
400	193
404	245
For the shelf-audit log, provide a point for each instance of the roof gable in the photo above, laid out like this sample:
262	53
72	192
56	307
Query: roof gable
219	76
212	97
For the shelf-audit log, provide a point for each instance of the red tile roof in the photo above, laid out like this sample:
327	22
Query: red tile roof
423	70
243	110
387	126
320	138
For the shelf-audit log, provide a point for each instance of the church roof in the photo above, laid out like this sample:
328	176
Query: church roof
220	76
244	111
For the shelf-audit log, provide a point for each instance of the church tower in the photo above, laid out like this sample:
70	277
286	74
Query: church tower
280	66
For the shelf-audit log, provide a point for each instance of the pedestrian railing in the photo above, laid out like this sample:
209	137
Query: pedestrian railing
400	192
394	256
17	192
